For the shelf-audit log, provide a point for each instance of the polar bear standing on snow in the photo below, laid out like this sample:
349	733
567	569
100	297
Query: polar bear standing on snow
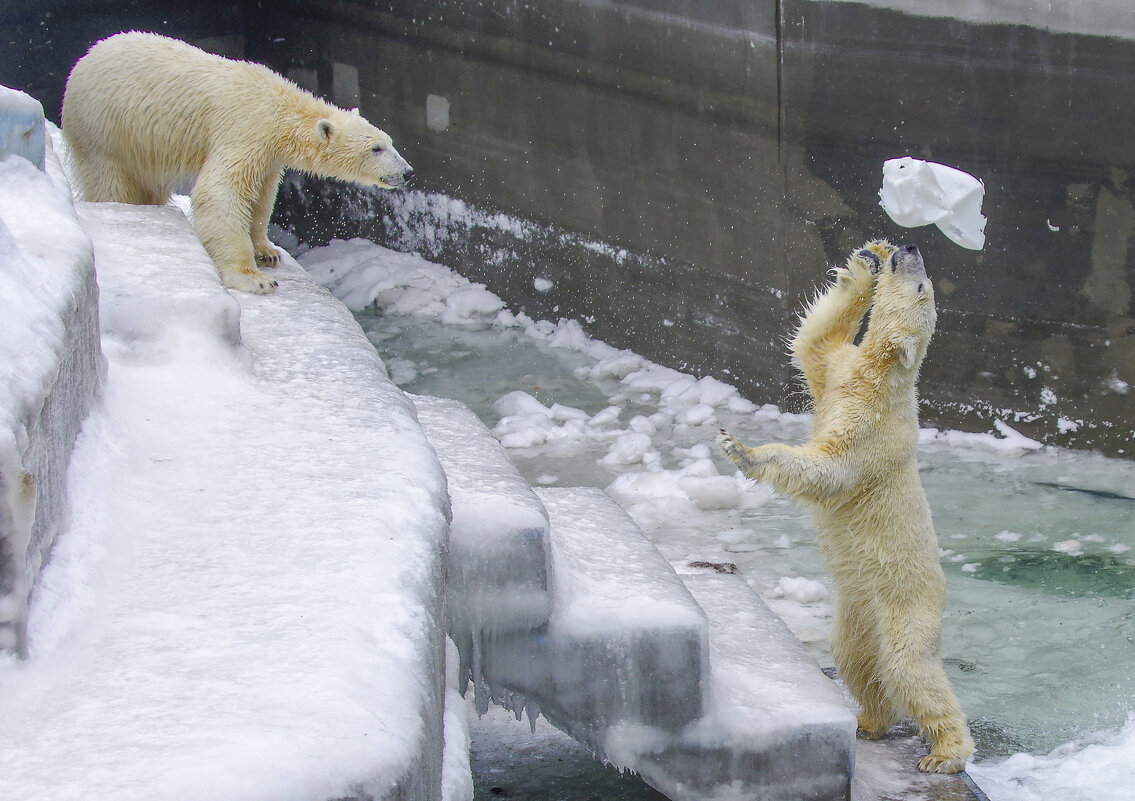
859	472
143	113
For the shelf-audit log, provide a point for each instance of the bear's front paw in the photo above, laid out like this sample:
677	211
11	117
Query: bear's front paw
268	254
869	260
254	281
873	254
731	446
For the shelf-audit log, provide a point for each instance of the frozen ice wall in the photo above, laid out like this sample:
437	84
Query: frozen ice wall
51	363
21	126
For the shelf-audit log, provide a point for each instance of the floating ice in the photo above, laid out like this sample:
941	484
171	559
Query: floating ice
919	192
401	282
802	590
1100	766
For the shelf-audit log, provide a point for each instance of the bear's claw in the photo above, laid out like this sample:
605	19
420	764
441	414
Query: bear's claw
258	283
730	446
867	255
268	255
936	763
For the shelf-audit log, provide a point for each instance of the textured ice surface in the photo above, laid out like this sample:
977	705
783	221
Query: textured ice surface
626	642
21	127
248	604
50	370
498	544
774	725
141	318
456	773
919	192
405	283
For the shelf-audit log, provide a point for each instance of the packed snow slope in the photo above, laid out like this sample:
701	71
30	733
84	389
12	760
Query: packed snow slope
247	603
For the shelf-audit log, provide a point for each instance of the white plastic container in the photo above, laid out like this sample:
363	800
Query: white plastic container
919	192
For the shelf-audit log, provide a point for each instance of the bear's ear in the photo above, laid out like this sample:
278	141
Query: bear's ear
908	353
325	129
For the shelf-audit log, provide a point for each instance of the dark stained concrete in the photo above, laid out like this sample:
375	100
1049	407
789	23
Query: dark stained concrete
685	170
724	153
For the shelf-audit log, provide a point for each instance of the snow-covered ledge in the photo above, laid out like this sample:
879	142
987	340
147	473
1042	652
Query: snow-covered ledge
245	598
51	364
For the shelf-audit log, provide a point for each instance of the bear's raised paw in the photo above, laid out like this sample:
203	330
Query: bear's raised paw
730	446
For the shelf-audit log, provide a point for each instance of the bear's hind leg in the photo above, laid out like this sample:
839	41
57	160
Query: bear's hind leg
855	648
104	181
916	681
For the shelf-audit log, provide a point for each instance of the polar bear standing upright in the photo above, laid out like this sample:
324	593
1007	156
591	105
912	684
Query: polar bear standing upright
143	113
859	472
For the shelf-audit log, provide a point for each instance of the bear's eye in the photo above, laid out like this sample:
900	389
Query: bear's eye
921	288
377	149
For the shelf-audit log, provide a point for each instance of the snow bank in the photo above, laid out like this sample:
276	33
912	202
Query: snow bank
1099	766
51	366
249	602
402	282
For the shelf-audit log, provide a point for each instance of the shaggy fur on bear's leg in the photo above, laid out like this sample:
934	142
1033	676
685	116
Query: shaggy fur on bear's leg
266	252
859	472
856	654
797	471
916	681
834	316
221	218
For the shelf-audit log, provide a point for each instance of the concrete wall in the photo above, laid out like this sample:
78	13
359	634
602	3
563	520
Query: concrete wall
727	151
42	40
684	170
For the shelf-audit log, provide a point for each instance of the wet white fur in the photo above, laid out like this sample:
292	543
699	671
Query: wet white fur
144	114
858	471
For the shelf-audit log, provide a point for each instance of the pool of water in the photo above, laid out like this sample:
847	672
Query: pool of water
1038	544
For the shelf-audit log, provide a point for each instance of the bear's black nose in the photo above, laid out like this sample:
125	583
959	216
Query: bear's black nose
910	248
408	176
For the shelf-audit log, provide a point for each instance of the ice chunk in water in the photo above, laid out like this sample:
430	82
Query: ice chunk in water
919	192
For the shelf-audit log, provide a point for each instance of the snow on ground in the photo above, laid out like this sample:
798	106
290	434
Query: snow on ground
1099	766
644	432
247	602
